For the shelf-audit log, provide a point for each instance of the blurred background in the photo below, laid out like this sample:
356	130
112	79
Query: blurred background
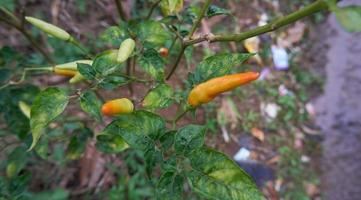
296	131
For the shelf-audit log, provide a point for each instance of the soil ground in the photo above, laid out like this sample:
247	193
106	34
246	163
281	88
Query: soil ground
339	113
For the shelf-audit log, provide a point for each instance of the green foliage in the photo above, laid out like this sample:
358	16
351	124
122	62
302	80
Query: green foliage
189	138
349	17
159	159
159	97
47	105
152	63
214	10
215	176
91	104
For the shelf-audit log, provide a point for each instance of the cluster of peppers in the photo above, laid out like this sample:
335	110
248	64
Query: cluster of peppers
200	94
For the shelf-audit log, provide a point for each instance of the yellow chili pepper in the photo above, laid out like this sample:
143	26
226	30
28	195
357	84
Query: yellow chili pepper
207	91
49	28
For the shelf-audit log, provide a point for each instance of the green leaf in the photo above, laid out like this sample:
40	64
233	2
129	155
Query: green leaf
152	34
112	81
170	186
217	65
215	176
8	4
106	63
138	129
56	194
159	97
18	184
192	13
214	10
77	144
91	104
9	108
152	157
167	140
108	142
16	161
189	138
152	63
47	105
169	7
87	71
349	17
42	148
115	35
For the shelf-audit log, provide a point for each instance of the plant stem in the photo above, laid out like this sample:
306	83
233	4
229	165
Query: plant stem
179	57
80	47
120	9
129	74
272	26
154	5
200	17
15	22
23	75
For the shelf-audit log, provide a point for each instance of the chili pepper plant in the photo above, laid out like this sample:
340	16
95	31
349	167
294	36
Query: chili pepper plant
149	52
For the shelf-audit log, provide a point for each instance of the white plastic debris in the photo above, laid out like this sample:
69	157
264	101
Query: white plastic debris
263	19
305	159
270	110
242	154
280	57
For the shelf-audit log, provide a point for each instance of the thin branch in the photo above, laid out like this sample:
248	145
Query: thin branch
78	45
272	26
174	67
120	9
129	73
200	17
152	8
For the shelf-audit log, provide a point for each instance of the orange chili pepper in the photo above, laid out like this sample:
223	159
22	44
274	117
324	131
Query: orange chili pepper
207	91
117	106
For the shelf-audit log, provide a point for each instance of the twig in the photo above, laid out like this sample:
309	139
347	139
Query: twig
129	73
200	17
23	75
154	5
179	57
80	47
120	9
272	26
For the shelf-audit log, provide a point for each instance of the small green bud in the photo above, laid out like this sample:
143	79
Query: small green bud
49	28
125	50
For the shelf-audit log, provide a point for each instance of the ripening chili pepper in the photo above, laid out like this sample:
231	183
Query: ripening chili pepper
163	52
73	65
50	29
78	77
125	50
207	91
117	106
65	72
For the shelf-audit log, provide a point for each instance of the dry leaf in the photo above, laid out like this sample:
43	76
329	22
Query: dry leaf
257	133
